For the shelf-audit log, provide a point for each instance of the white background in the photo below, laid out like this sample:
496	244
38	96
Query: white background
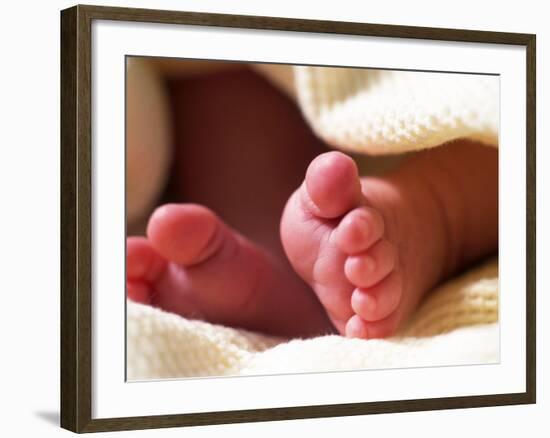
29	184
114	398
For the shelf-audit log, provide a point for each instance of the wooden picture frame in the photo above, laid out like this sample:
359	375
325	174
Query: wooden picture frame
76	217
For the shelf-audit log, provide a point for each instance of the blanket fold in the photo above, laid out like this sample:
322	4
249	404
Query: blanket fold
388	112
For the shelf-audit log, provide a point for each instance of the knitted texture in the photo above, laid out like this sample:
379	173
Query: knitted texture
388	112
456	324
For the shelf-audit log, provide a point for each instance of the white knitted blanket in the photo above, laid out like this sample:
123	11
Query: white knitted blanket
457	324
388	112
375	112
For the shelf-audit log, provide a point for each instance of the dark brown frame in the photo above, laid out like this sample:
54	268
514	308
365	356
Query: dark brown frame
76	160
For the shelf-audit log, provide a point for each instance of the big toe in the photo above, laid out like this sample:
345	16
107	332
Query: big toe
186	234
331	186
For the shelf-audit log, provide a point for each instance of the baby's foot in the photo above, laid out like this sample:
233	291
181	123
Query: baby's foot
360	246
193	264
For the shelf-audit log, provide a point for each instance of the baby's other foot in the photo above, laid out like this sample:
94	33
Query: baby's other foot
194	265
338	239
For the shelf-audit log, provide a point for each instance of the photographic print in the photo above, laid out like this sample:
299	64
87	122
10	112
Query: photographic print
322	218
280	217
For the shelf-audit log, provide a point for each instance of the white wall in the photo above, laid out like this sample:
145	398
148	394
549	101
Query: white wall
29	176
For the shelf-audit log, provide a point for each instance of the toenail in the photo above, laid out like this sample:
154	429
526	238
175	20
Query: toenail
363	227
363	303
363	264
368	264
356	328
369	304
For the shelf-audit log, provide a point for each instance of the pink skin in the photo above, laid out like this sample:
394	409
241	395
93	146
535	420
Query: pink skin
368	248
193	264
347	259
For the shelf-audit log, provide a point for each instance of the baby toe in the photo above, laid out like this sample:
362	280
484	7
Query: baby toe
139	291
356	327
359	229
378	302
143	267
186	234
383	328
331	187
143	263
368	268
